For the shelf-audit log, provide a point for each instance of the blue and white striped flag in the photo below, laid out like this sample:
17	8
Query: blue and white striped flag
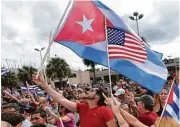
4	71
32	88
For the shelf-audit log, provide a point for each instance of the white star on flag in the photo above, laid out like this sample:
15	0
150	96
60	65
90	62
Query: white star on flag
86	24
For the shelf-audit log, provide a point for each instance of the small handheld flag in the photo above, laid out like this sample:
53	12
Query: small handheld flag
4	71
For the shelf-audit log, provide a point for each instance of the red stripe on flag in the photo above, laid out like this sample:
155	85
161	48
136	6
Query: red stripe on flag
115	57
119	52
134	42
119	48
140	40
170	99
132	47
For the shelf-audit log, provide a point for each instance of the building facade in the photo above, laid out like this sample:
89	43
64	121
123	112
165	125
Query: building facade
86	77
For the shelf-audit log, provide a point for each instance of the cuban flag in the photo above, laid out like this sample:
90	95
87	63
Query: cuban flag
95	32
4	71
33	89
173	104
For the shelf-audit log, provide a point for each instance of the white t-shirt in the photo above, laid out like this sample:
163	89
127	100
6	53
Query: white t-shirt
26	123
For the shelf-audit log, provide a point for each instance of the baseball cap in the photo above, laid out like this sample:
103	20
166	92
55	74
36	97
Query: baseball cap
146	99
119	92
80	90
115	88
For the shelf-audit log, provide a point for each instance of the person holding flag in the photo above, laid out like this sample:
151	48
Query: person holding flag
94	113
95	32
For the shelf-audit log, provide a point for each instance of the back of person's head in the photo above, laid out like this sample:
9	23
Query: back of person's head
39	125
5	124
13	118
166	122
10	107
148	101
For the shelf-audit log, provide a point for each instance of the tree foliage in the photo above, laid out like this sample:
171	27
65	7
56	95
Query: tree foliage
9	79
25	73
57	68
91	64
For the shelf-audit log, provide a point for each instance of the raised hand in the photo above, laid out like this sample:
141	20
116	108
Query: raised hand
6	92
39	80
115	105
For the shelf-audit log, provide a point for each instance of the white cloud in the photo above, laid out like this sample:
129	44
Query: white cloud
26	25
168	49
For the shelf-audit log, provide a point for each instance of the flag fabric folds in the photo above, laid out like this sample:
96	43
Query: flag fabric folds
83	31
124	45
33	89
173	105
4	71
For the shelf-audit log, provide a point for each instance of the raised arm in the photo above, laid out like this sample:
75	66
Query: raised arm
51	113
131	119
9	95
124	118
64	118
55	95
32	98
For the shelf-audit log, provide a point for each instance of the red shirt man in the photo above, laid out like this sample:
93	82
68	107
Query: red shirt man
148	118
145	107
94	117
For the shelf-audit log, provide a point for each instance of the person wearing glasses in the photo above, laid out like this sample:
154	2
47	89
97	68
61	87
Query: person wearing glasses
94	113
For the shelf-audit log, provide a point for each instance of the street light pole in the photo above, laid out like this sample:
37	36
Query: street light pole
40	55
136	17
39	50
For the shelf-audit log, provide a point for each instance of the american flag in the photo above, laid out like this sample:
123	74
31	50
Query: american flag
173	106
125	45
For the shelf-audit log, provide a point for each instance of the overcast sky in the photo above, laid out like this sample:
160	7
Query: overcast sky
26	25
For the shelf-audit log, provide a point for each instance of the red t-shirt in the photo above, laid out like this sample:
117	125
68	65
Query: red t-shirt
94	117
148	118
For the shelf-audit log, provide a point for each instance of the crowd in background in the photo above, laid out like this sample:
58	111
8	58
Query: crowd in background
131	105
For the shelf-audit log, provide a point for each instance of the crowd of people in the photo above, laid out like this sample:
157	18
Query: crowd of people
127	105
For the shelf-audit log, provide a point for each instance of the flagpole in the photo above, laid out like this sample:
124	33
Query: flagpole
166	103
21	64
108	56
48	57
51	41
7	64
50	34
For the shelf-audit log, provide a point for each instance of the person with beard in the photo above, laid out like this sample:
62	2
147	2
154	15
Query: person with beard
94	113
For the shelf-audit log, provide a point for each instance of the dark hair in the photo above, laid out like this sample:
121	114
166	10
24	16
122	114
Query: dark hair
148	102
149	107
101	101
170	78
10	105
42	113
39	125
12	118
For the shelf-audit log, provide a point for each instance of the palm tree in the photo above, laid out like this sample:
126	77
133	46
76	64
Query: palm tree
57	68
25	73
9	80
91	64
